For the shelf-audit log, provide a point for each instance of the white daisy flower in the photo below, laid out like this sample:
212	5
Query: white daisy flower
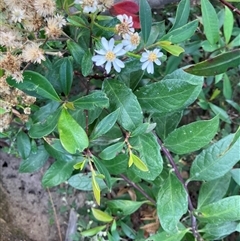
109	55
150	57
126	25
17	15
89	6
131	41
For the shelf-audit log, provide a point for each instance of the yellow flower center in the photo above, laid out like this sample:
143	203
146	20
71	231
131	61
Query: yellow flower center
152	57
110	56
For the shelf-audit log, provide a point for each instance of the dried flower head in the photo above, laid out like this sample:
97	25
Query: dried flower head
45	7
53	30
17	15
32	53
89	6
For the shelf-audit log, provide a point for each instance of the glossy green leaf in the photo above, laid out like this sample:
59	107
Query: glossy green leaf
117	165
216	65
83	182
72	136
216	160
126	207
221	112
224	210
96	190
143	128
214	190
182	14
228	24
76	21
175	92
35	84
129	232
145	15
192	137
87	63
23	145
181	34
35	161
101	216
66	75
172	49
172	203
76	51
93	231
58	172
227	87
166	123
210	21
138	162
103	170
92	100
218	231
165	236
149	152
111	151
54	147
105	125
236	175
235	138
235	42
46	126
130	115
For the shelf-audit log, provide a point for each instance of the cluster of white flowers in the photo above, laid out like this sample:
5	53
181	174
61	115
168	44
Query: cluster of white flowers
91	6
131	39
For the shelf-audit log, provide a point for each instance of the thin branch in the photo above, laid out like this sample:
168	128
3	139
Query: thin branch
138	188
55	215
229	5
178	174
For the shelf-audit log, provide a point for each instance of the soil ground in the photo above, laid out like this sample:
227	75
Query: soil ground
26	207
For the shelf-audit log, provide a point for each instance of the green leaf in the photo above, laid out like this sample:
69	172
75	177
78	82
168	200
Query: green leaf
172	203
82	181
66	75
23	145
149	152
126	207
35	161
111	151
165	236
172	49
34	83
216	160
181	34
105	125
219	111
224	210
101	216
87	63
228	24
182	14
93	231
214	190
96	190
46	126
227	87
175	92
143	128
92	100
76	51
210	21
2	111
218	231
76	21
103	170
55	149
192	137
236	175
166	123
72	136
235	42
145	15
129	232
138	162
117	165
216	65
58	172
121	96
